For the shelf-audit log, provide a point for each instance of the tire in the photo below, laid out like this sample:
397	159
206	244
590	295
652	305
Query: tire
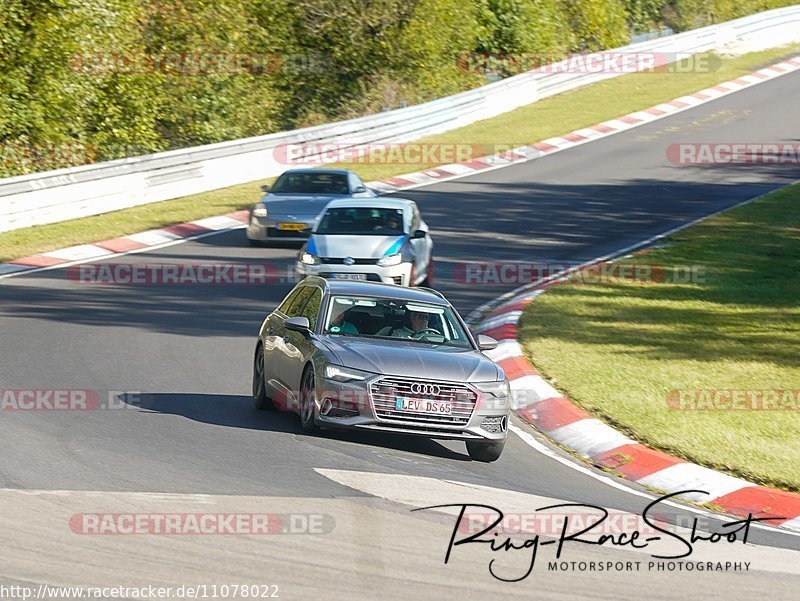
485	451
260	399
308	401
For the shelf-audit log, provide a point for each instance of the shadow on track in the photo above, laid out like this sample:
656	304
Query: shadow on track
237	411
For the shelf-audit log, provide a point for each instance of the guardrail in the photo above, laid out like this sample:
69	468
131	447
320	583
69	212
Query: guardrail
53	196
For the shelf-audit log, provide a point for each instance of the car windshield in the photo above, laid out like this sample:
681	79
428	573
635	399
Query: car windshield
390	318
361	221
311	183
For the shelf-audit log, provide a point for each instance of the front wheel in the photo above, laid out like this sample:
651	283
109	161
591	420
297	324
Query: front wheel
260	399
485	451
308	404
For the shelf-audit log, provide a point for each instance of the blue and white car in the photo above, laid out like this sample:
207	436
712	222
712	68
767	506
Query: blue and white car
290	206
373	240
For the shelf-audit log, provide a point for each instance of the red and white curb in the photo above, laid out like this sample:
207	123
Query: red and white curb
541	405
125	245
183	232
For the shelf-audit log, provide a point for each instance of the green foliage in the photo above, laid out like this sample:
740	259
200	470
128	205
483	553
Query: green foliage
595	24
89	80
645	15
522	26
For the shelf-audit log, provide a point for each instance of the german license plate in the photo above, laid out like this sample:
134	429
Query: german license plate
292	226
349	276
423	406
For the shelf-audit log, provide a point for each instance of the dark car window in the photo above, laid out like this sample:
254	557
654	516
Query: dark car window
311	309
295	307
311	183
361	220
389	318
284	307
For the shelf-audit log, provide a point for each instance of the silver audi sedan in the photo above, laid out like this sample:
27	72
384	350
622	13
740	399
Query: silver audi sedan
349	354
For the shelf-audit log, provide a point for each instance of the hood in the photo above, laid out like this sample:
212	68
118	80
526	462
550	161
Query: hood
413	359
358	247
301	204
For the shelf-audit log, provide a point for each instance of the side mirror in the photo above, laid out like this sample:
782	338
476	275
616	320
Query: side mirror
419	234
265	188
359	190
486	343
298	324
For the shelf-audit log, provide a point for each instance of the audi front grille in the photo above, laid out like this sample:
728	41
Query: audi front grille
385	391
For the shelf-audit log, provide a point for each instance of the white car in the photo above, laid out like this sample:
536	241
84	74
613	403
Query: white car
372	239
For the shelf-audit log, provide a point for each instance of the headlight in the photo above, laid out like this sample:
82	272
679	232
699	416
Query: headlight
345	374
496	389
260	211
390	260
309	259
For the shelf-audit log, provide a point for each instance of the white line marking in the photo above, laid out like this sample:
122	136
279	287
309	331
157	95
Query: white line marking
533	389
77	253
220	222
8	268
544	450
153	237
690	475
505	319
589	437
506	349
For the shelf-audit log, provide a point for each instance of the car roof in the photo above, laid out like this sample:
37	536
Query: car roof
319	171
358	288
370	203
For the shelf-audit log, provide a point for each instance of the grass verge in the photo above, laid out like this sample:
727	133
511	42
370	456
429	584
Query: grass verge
550	117
655	356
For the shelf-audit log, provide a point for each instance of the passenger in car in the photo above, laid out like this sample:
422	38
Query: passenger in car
339	325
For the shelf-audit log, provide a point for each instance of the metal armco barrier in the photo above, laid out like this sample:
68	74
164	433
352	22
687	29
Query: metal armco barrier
63	194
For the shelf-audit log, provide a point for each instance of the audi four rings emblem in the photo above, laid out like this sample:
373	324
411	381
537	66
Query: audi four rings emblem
349	260
425	389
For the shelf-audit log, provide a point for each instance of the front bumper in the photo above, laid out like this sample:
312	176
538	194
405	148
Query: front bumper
352	405
269	228
396	274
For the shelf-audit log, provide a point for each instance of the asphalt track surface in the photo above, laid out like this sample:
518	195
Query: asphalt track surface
182	356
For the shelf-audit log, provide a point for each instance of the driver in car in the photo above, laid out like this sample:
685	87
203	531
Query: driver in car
419	323
391	223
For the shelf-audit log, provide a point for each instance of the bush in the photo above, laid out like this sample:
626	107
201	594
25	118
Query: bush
89	80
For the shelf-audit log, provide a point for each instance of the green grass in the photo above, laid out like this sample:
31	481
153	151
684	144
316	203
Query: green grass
619	348
544	119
